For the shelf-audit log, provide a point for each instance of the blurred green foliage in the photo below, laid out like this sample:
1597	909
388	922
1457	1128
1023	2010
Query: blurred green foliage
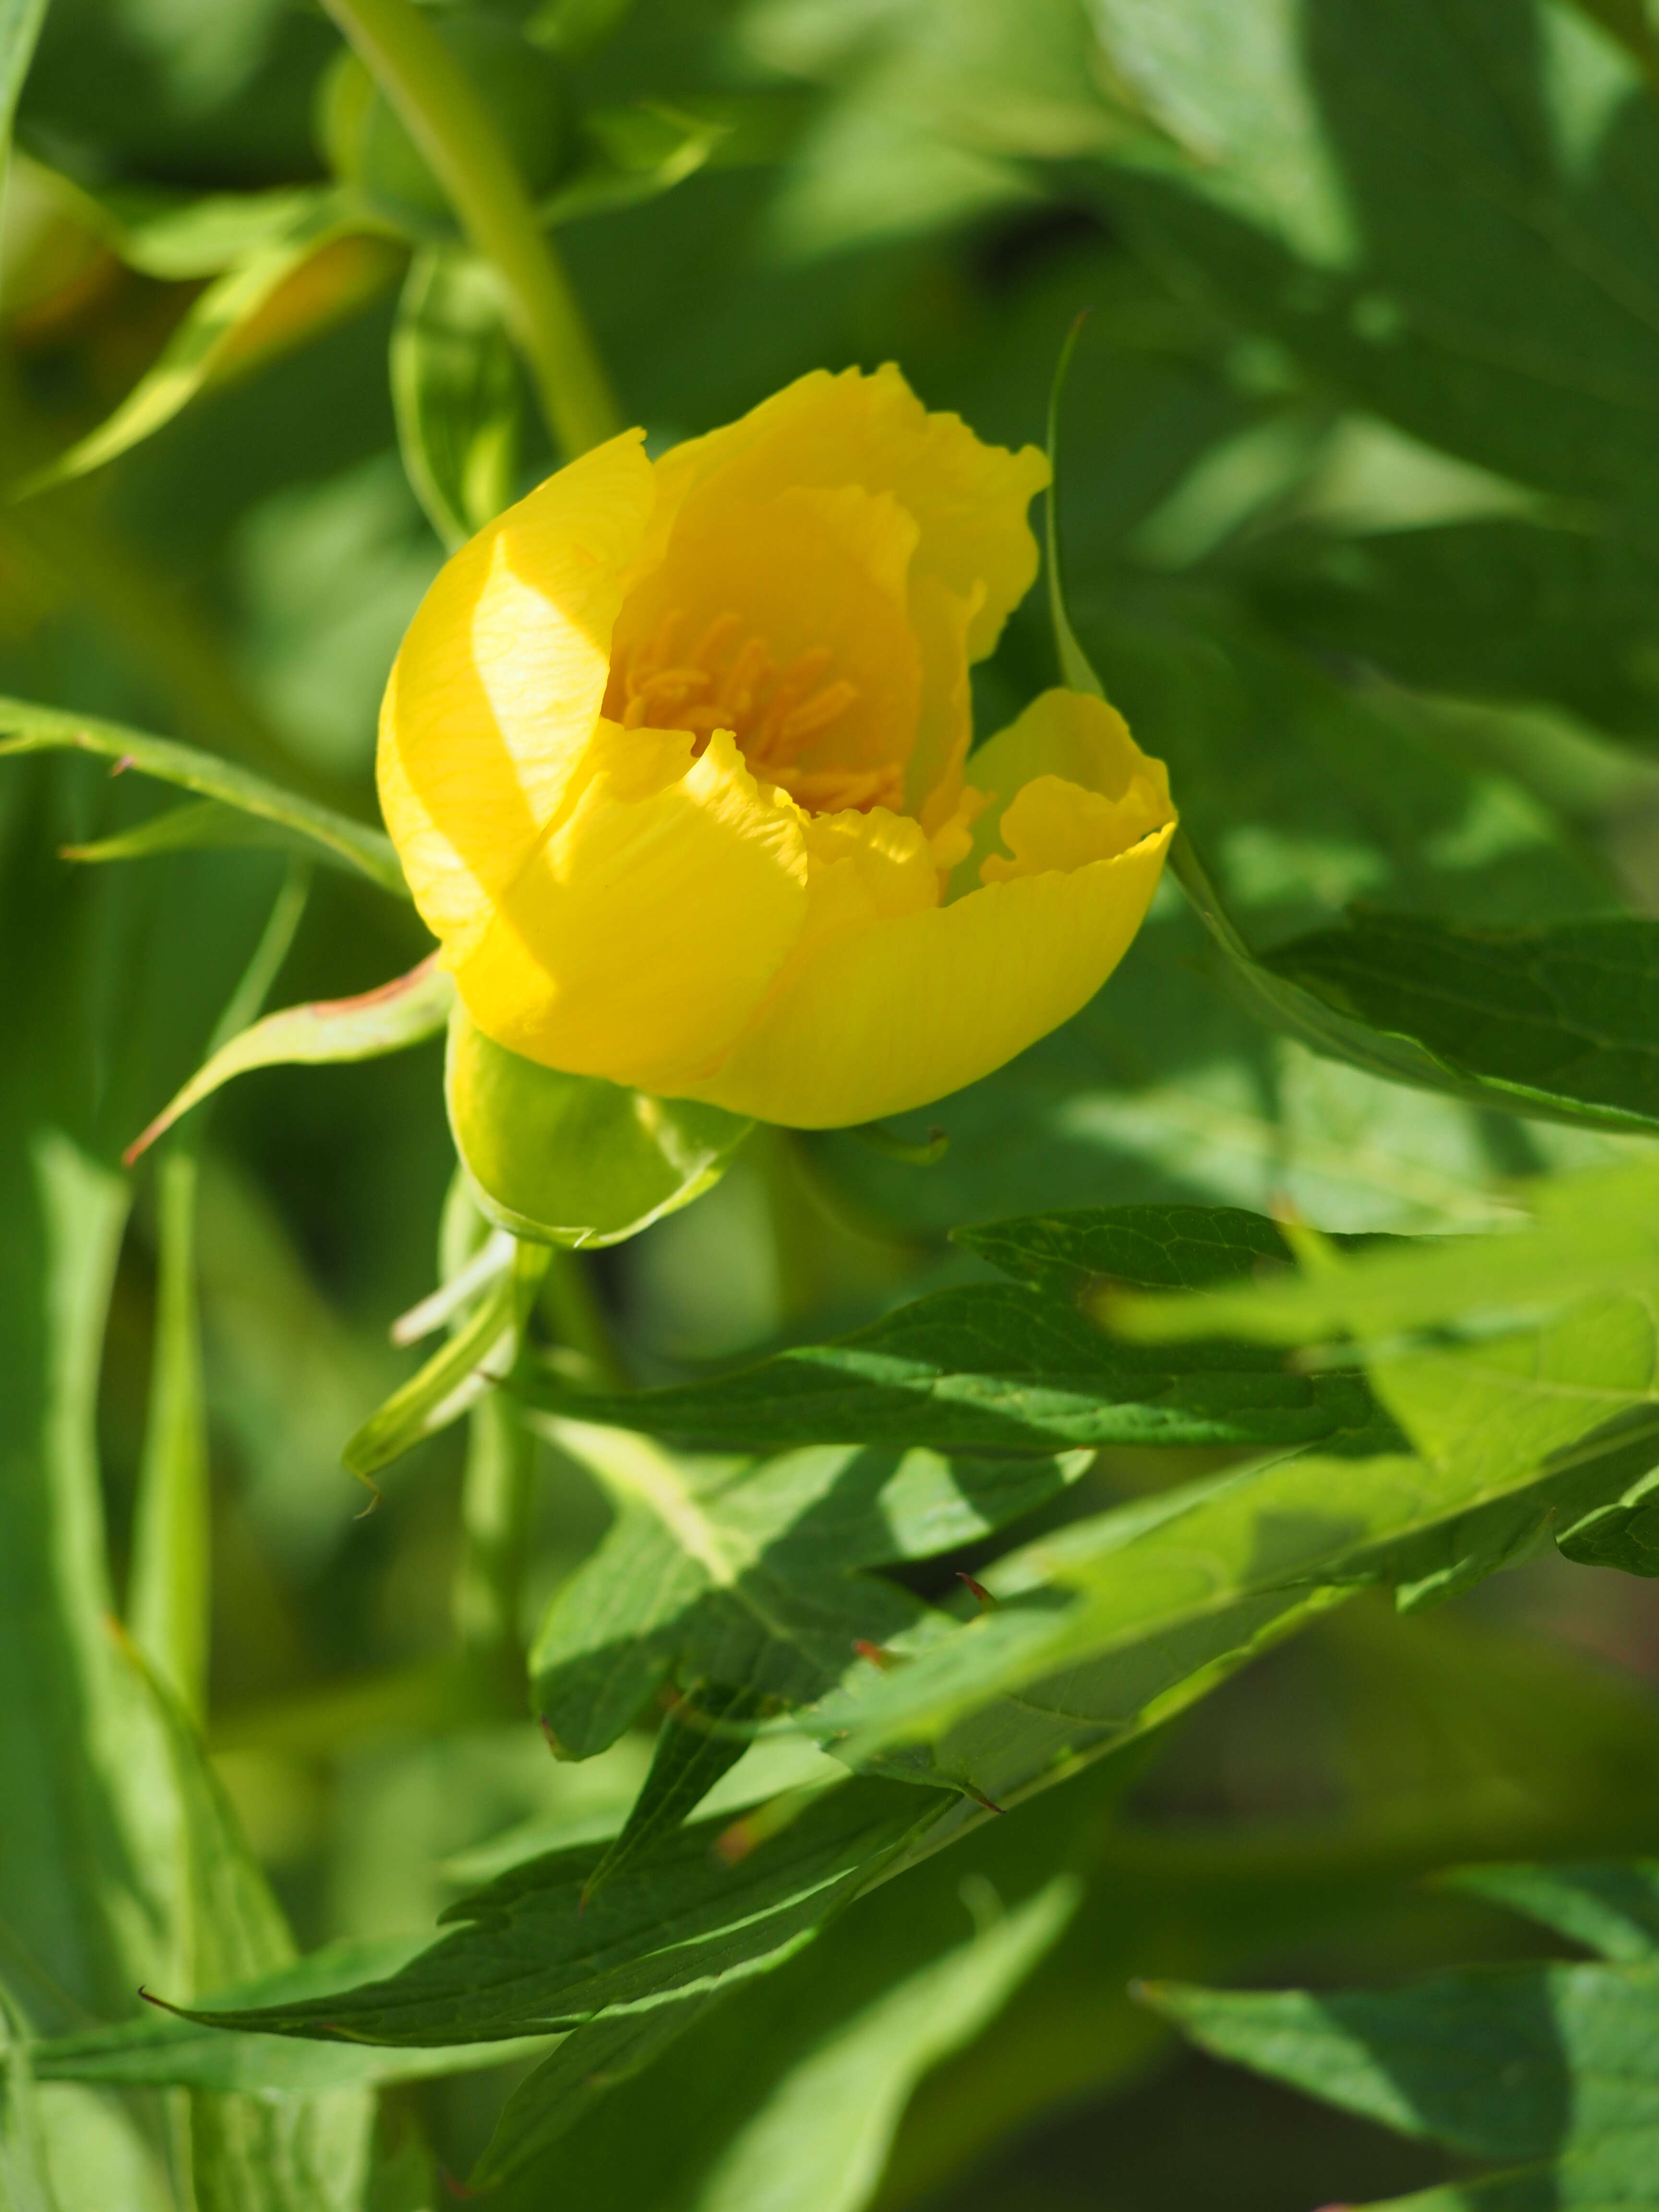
1357	494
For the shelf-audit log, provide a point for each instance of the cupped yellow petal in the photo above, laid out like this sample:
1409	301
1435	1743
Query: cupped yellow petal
640	937
877	1019
969	499
496	691
810	579
1063	784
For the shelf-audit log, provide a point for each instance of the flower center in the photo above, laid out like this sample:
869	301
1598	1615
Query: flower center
776	711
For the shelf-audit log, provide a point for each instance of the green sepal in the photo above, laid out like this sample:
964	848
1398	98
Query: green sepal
572	1159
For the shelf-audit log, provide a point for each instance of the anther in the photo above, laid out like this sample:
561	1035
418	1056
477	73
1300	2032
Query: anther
817	713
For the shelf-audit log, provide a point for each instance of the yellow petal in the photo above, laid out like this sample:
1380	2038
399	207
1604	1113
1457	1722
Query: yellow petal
497	689
877	1019
969	499
944	716
642	935
1069	739
806	569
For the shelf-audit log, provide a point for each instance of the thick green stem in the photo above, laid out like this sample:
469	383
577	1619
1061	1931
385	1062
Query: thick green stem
447	120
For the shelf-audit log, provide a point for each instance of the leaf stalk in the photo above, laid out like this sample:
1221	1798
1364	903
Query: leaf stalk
443	114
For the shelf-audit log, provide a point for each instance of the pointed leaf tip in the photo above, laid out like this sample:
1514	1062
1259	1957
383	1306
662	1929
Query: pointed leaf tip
402	1013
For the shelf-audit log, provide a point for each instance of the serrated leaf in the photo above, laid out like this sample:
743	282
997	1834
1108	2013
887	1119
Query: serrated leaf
1494	1353
162	2050
1163	1593
1559	1732
1000	1366
457	393
702	1737
1589	1235
1558	1022
527	1958
206	335
390	1019
31	728
572	1159
753	1575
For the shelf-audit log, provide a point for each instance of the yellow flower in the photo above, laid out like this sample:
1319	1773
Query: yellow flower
673	755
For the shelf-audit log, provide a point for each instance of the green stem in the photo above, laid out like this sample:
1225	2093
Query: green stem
443	114
497	1493
568	1302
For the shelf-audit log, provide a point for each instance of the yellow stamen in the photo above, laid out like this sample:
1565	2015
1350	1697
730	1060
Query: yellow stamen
774	714
817	713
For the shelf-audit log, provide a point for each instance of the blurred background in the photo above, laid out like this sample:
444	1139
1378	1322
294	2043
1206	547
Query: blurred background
1381	664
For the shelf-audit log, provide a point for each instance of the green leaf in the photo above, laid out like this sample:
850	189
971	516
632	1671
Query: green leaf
30	729
1497	608
1559	1022
199	347
1423	208
702	1738
1610	1907
823	2135
570	2082
24	2186
168	1597
1271	996
1588	1236
571	1159
207	826
80	1857
250	2153
1541	1339
1540	2063
526	1958
997	1366
457	393
1280	1001
752	1576
162	2051
176	236
396	1015
20	27
636	153
1273	992
1551	2067
1076	671
1122	1618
